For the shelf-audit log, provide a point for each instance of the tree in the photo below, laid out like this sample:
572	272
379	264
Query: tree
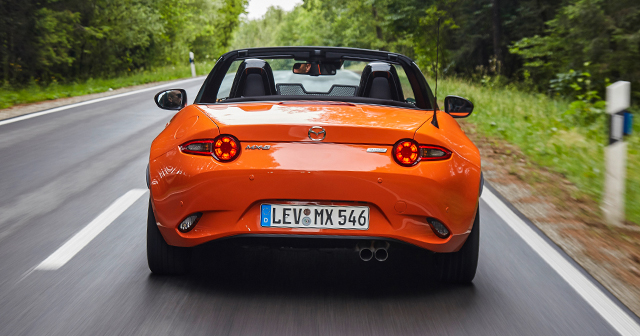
497	28
604	35
54	40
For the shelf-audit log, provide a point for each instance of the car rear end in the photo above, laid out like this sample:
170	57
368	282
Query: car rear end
314	169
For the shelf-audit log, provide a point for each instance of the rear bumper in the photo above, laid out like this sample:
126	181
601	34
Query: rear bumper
229	195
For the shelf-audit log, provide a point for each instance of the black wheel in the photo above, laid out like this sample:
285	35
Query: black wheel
162	257
460	267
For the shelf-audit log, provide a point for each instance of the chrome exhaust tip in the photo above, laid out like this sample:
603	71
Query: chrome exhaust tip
366	254
381	254
380	251
365	250
374	249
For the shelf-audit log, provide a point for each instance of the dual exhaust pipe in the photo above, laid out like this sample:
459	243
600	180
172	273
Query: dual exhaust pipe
375	249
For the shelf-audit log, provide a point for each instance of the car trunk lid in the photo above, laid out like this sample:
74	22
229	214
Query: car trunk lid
332	122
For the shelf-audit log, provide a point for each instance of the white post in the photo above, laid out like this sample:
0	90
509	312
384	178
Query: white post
618	99
193	65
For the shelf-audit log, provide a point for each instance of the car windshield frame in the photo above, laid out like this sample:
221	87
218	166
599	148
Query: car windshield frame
423	95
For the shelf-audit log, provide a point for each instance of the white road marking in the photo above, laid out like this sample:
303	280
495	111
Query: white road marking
97	100
609	310
86	235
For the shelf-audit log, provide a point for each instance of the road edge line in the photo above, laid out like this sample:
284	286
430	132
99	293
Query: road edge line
87	102
81	239
620	320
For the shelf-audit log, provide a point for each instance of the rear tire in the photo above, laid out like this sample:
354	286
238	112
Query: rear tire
460	267
162	257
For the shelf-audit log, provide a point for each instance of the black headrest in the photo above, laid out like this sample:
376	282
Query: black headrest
253	78
380	80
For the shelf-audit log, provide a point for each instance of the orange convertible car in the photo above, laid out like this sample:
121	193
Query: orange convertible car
306	144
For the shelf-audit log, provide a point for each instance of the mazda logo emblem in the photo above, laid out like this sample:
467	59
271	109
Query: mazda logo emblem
317	133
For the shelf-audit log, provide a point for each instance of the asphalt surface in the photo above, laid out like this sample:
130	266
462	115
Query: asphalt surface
59	171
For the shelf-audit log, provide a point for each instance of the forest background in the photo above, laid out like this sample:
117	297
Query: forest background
58	48
537	68
545	45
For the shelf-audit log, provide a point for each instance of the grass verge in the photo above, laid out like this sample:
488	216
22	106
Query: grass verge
534	123
35	93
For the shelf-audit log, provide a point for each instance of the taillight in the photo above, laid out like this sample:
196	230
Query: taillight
223	148
226	148
407	153
197	147
433	153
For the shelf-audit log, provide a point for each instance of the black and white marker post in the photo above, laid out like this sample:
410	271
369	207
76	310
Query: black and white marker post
618	100
193	65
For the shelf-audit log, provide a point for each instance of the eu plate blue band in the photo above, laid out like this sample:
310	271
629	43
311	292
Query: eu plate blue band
265	211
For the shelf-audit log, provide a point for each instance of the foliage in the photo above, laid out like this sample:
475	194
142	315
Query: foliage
55	41
604	35
632	205
259	33
538	39
587	109
405	26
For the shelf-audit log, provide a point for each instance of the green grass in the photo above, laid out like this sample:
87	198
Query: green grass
36	93
534	123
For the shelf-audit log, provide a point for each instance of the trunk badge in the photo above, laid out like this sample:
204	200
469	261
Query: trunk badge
376	150
265	147
317	133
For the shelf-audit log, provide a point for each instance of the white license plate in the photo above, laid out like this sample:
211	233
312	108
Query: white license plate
315	216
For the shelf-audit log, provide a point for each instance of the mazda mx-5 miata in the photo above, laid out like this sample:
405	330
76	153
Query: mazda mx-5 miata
315	146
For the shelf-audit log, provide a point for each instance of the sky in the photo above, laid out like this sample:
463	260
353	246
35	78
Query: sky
257	8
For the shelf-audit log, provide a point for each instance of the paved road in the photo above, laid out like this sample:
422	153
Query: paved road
60	171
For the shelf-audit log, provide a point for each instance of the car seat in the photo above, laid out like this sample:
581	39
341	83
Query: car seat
380	80
253	78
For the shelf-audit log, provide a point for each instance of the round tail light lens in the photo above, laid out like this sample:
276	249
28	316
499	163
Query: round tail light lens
226	148
406	152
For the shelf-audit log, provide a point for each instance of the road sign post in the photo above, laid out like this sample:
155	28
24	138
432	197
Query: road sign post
193	65
618	99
